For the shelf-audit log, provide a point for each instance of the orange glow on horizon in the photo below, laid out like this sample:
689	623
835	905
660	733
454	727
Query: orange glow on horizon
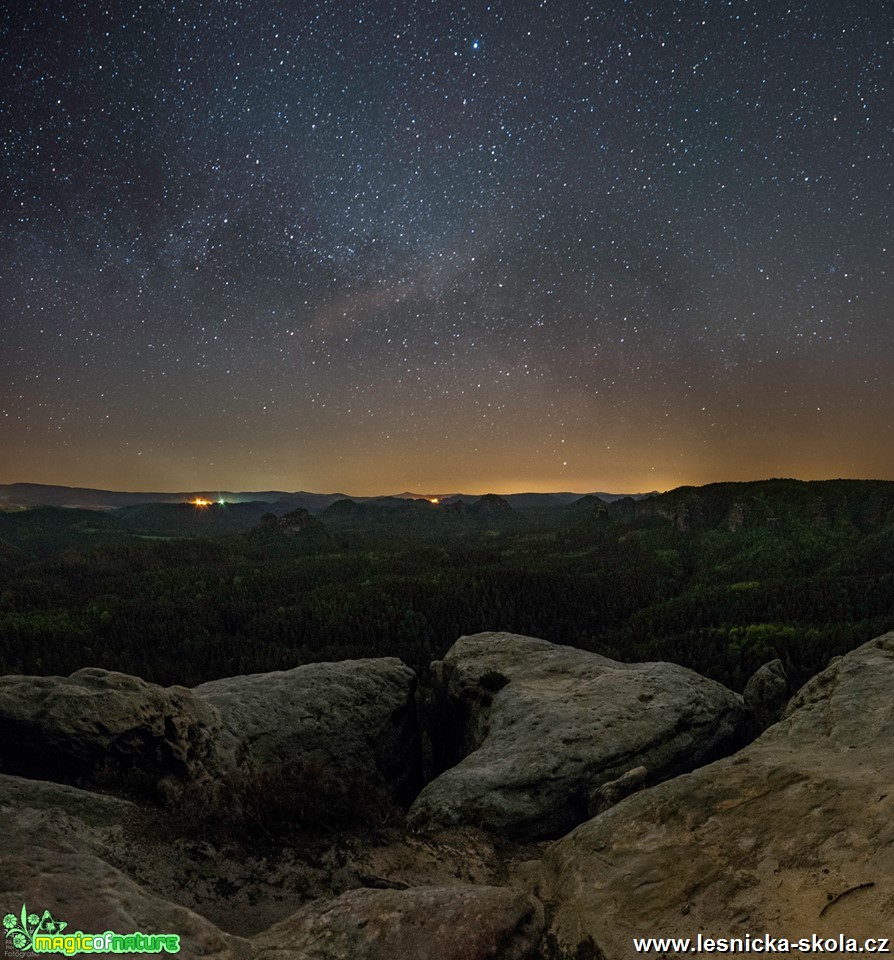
199	502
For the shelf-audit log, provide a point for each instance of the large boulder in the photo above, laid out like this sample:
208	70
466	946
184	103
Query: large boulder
110	730
614	791
792	836
345	729
766	695
343	732
534	728
456	922
56	858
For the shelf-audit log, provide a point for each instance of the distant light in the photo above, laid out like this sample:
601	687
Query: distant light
222	502
200	502
434	499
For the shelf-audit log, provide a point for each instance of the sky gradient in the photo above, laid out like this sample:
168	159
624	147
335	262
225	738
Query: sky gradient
375	246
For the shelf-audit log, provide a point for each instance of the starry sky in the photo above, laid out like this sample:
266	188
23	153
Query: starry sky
439	245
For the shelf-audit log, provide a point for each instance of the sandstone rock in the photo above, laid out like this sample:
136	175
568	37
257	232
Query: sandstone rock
459	855
736	517
539	726
111	730
348	724
241	888
339	728
55	857
792	836
76	854
424	923
683	507
40	809
490	504
615	790
295	521
246	886
766	695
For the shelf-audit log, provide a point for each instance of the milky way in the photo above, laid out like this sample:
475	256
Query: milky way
377	246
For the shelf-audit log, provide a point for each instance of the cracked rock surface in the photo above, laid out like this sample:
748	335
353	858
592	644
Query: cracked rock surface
793	835
537	727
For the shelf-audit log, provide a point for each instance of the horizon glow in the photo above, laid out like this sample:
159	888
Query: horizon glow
614	247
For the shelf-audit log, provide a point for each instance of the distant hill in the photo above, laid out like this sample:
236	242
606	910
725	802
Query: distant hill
859	504
184	519
26	495
17	495
721	578
523	501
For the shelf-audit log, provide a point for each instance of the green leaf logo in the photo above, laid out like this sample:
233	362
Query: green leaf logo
22	928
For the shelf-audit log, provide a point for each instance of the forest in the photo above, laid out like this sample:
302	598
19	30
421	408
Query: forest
720	578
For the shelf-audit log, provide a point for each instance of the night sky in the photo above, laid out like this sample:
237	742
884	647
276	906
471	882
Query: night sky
440	246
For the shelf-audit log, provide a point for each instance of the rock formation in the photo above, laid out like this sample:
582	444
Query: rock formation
87	859
614	791
349	728
350	725
791	836
766	695
683	507
56	856
490	505
296	520
533	728
455	922
794	835
736	517
98	728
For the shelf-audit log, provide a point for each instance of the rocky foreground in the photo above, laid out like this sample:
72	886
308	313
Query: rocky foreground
557	805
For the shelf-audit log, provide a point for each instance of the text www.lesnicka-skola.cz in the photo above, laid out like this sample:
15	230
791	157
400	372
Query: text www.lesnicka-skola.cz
762	943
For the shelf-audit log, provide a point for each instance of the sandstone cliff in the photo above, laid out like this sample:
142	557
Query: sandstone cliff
791	835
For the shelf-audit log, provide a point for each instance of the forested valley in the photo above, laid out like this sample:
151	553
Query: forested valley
719	578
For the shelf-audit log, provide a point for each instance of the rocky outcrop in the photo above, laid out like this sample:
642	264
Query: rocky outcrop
537	727
818	513
766	695
491	504
343	733
683	507
614	791
736	517
792	836
247	886
98	728
86	858
590	507
426	923
56	843
296	520
347	727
